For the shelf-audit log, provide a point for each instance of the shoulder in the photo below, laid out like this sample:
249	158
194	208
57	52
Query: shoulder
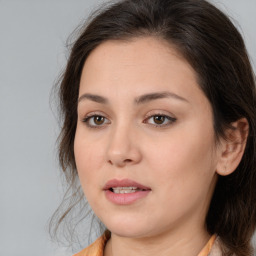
218	248
93	250
96	248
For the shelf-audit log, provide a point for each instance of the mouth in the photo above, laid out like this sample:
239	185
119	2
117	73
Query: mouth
124	192
124	186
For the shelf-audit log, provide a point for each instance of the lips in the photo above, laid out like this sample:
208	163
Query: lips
125	192
125	183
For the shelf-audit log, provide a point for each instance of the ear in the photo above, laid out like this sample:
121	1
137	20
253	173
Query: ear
232	147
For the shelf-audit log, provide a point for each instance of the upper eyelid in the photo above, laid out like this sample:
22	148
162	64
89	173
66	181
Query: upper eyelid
87	118
170	118
160	113
149	114
95	113
164	115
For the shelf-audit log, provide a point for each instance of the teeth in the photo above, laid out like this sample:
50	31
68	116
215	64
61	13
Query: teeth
125	190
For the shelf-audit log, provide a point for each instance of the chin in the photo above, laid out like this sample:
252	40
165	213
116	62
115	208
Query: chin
130	233
127	228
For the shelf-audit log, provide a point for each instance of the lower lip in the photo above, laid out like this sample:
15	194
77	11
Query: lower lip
125	199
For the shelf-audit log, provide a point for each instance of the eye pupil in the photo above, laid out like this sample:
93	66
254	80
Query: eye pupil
159	119
98	120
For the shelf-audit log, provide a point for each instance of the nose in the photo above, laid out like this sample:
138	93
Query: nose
123	148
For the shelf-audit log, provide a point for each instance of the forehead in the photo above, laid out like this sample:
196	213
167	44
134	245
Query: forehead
139	54
138	66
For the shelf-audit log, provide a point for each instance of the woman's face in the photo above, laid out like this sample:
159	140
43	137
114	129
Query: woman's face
144	145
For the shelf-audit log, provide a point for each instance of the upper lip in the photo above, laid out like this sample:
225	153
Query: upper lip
124	183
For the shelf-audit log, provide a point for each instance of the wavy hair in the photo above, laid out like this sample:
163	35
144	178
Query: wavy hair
215	49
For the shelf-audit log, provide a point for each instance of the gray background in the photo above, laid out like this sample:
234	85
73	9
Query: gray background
32	52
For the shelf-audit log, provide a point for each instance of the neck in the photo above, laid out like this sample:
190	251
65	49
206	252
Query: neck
188	244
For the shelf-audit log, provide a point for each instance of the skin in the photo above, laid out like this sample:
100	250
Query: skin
177	159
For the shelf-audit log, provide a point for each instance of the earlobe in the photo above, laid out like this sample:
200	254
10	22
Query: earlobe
232	147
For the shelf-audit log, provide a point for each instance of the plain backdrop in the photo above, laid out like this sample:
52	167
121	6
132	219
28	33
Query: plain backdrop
32	53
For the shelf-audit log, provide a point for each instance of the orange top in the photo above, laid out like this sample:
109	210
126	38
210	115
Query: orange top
97	248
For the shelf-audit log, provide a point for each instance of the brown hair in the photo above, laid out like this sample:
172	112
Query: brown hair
215	49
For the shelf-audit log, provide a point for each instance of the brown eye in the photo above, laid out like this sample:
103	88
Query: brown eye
159	119
98	120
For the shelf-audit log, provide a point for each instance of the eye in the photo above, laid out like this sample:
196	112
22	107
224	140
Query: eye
95	121
160	120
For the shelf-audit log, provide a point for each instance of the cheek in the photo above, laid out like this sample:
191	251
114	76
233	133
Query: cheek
88	165
183	172
187	157
89	158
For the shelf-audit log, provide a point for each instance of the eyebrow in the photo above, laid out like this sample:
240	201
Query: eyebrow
139	100
93	97
158	95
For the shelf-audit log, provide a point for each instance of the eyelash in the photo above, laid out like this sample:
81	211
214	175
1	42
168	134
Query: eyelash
166	118
90	117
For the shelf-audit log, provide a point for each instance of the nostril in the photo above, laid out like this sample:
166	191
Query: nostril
120	162
110	162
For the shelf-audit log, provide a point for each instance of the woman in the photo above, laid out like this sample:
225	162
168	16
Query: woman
158	100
